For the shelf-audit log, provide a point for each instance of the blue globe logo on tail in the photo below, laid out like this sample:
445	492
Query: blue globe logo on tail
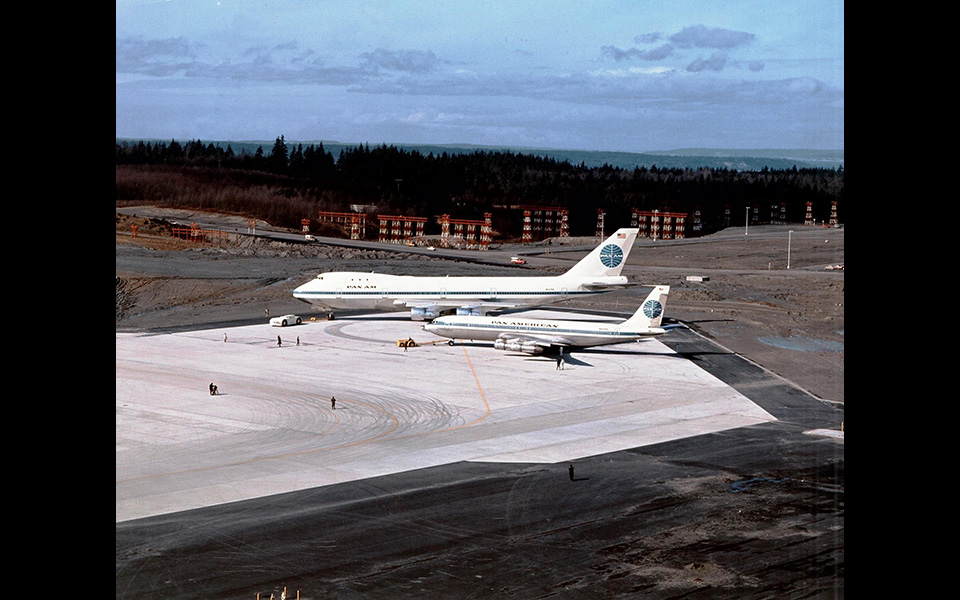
652	309
611	255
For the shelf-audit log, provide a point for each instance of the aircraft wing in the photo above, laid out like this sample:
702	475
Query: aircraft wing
455	302
597	285
484	306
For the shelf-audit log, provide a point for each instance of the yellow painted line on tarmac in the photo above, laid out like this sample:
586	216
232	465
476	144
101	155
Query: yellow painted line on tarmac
479	389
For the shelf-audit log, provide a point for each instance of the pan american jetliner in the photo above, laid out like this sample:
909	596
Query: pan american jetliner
429	297
534	336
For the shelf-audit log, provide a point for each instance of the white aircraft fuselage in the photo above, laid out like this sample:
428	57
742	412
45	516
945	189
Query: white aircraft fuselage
533	336
379	291
429	297
573	333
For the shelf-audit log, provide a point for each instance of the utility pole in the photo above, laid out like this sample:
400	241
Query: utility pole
789	239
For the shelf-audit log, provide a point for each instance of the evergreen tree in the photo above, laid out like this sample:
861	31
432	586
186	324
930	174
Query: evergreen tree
297	167
174	152
278	162
467	185
318	164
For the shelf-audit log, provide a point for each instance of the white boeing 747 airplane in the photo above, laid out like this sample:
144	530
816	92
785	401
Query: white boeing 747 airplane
534	336
430	297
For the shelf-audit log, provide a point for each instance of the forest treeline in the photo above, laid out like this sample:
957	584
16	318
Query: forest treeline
290	183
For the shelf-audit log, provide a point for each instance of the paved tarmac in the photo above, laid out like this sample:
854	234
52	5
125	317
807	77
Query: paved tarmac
272	429
443	471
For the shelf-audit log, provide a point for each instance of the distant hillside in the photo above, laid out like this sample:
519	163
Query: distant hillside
741	160
692	158
815	158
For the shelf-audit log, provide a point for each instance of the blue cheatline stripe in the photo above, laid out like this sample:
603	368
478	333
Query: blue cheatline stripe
485	294
532	329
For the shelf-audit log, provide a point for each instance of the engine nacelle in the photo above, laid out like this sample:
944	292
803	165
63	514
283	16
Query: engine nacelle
472	311
518	346
424	313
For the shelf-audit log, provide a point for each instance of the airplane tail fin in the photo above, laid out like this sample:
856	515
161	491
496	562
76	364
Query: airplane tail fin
608	258
650	313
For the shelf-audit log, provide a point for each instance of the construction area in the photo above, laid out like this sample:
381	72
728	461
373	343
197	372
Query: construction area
539	223
754	511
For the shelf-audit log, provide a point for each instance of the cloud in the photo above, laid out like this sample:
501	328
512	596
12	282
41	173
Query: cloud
694	36
617	54
647	38
327	82
407	61
279	63
289	52
716	62
154	57
700	36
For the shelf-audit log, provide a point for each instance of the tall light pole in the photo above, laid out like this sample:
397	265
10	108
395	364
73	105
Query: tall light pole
789	239
746	222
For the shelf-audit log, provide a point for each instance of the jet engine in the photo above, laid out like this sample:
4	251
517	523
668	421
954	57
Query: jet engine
424	313
518	346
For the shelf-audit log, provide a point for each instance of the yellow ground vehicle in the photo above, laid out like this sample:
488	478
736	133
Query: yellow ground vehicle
409	343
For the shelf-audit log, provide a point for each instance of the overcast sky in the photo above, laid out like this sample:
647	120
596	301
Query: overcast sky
620	75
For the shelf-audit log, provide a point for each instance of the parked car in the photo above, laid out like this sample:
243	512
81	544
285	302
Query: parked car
516	260
285	320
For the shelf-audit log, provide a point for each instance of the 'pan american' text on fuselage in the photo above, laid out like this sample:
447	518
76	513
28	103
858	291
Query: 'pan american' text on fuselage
534	336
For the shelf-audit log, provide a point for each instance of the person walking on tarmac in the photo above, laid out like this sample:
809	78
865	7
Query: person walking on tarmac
333	403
